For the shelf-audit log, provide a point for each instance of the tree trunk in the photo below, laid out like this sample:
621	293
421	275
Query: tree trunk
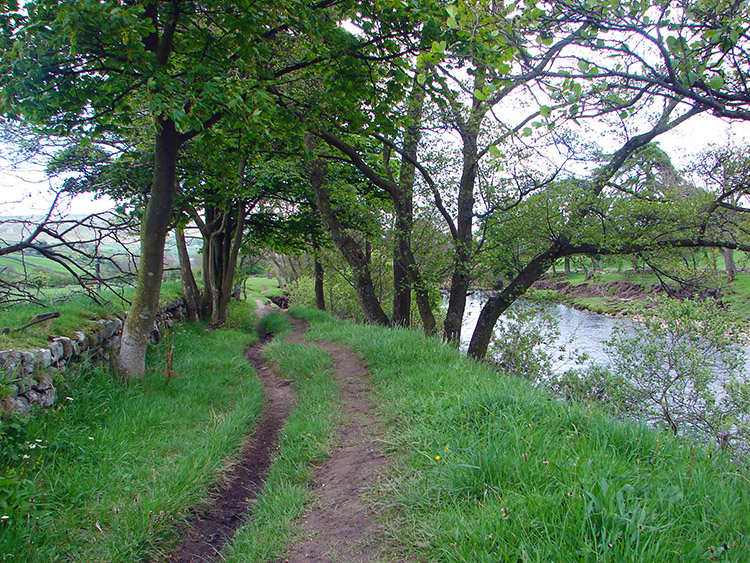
497	304
567	265
403	206
460	277
534	269
189	287
320	296
140	321
729	265
229	266
352	252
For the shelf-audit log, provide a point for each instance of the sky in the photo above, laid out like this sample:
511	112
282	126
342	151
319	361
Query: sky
26	191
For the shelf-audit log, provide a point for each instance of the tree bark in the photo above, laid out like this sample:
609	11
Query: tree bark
460	278
189	287
403	206
729	265
140	321
320	296
231	252
497	304
352	252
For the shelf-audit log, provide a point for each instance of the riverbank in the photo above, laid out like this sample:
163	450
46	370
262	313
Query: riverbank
625	295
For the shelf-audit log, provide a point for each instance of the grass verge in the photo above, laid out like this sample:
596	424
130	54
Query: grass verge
109	474
491	469
305	440
78	311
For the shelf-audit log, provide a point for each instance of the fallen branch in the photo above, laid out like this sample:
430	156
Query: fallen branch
36	320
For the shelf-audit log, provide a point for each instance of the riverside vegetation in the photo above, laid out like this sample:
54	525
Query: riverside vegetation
484	467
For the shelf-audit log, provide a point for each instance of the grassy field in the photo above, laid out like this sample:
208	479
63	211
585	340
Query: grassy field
735	295
484	467
491	469
260	287
77	312
108	475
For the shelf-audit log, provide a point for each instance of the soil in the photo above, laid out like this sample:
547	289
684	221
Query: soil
341	523
624	291
211	529
341	526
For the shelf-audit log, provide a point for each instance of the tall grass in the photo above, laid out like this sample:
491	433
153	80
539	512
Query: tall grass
111	472
493	470
78	311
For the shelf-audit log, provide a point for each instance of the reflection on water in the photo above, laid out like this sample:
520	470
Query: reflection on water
580	331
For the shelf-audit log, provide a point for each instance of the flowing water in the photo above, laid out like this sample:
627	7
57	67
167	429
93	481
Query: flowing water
580	331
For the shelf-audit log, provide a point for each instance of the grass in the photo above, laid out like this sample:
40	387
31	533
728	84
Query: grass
735	295
78	311
15	265
258	288
275	323
491	469
305	441
109	474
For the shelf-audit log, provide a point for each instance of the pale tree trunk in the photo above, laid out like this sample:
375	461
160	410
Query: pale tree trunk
189	287
729	265
140	320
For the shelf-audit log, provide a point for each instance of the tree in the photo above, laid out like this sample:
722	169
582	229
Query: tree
75	244
96	67
681	368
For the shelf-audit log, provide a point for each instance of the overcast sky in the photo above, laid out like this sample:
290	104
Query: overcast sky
27	191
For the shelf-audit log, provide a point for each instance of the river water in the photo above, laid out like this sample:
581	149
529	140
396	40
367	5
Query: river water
580	331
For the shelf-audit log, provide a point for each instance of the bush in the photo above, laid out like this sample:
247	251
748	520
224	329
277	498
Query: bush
519	342
681	368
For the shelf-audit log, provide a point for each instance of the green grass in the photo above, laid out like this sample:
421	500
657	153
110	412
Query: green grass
33	264
262	287
78	311
305	441
275	323
490	469
737	296
112	471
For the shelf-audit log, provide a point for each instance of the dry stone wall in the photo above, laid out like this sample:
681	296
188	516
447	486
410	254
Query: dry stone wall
28	375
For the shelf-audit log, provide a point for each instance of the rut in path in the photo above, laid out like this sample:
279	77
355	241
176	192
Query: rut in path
210	531
341	525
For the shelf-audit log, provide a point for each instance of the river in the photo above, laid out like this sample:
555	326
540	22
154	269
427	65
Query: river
580	331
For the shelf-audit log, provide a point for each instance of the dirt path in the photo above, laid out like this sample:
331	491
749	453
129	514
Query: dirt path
340	525
210	530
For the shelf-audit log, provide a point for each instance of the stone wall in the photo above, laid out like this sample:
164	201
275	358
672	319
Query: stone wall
27	376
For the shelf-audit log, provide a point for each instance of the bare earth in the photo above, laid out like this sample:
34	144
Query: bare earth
341	524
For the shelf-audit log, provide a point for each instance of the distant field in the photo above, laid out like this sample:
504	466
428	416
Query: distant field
15	264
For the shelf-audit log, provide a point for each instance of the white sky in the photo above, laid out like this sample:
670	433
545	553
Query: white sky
26	191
